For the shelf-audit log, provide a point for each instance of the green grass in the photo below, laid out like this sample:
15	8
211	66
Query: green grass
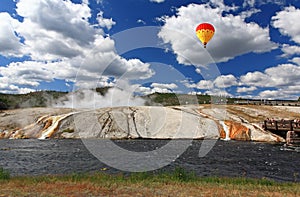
179	182
4	174
177	175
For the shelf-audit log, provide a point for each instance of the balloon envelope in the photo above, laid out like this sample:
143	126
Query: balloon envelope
205	32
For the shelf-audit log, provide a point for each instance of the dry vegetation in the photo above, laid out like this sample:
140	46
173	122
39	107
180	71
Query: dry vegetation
105	185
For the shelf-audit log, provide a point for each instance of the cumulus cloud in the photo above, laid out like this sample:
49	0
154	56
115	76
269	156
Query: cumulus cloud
225	81
179	32
285	22
290	50
252	3
144	90
249	3
62	18
202	84
104	22
218	92
10	42
246	89
277	79
221	82
275	94
281	78
284	74
157	87
255	79
12	89
32	73
296	60
291	92
163	88
62	44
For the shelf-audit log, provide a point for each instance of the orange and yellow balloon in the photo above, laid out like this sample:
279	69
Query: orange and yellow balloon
205	32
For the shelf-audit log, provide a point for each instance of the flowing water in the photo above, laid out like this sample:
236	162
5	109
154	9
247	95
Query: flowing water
226	158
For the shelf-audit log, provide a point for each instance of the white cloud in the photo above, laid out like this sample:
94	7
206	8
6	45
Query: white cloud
164	85
31	73
194	93
64	18
285	22
202	84
62	45
158	87
284	74
225	81
216	86
86	1
7	87
245	89
252	3
279	94
269	94
255	79
16	90
179	32
55	29
218	92
284	78
144	90
141	21
249	13
296	60
198	70
220	4
249	3
157	1
105	22
10	42
290	50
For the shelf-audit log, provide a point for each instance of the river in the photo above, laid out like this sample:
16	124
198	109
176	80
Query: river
226	158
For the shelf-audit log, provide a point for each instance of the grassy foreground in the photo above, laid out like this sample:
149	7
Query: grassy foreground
177	183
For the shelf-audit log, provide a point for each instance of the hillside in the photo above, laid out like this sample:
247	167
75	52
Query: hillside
33	99
50	98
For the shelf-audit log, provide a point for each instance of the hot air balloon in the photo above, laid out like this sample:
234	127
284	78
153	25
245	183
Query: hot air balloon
205	32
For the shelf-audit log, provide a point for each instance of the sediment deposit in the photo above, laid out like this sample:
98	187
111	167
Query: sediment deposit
176	122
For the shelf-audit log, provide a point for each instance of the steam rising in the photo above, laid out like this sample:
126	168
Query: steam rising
90	99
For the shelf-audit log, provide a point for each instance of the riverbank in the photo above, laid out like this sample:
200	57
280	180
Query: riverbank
176	183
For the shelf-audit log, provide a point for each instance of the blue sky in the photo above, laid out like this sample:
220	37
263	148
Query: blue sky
151	46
